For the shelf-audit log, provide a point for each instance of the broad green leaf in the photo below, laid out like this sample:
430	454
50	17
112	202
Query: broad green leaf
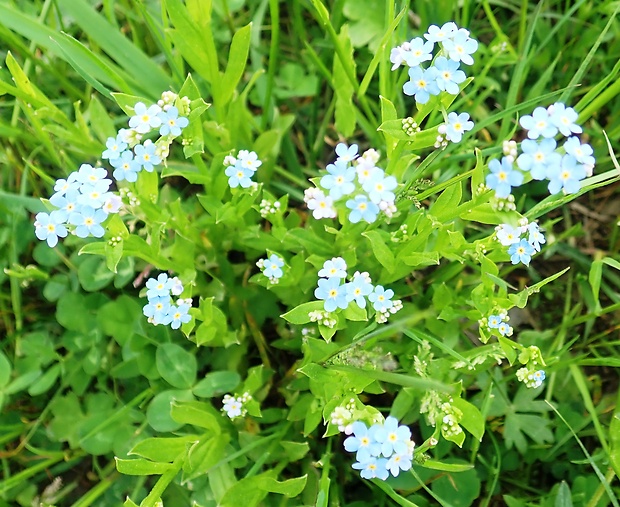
237	59
5	369
141	466
447	467
176	366
299	314
164	450
382	252
472	419
196	413
158	411
217	383
345	110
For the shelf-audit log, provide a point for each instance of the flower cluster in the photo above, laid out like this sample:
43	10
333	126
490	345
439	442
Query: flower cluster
160	308
241	168
383	449
500	322
125	152
455	46
271	267
520	248
268	208
82	201
371	191
531	374
234	406
542	159
336	295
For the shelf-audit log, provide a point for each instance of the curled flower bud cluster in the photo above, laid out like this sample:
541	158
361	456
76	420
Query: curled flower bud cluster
531	378
268	208
160	308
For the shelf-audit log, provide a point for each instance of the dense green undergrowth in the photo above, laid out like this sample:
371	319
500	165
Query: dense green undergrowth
494	359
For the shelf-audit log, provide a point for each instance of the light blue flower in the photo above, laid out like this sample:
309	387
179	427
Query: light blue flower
346	153
564	118
63	186
535	237
422	84
159	287
521	252
49	227
493	321
538	157
379	187
460	48
381	299
145	119
178	315
448	75
372	468
332	293
398	462
89	175
538	124
272	267
457	125
362	442
436	34
171	122
157	309
567	176
538	377
66	204
95	194
504	329
88	220
239	176
582	152
339	181
146	156
392	437
115	146
417	51
503	177
334	268
126	167
357	289
362	209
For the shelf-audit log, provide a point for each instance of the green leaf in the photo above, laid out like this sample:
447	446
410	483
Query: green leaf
299	314
196	413
520	299
141	466
5	369
158	411
345	110
447	467
217	383
472	419
162	449
382	252
176	366
237	59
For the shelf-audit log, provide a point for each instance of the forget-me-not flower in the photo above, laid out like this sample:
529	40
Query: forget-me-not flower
582	152
145	119
436	34
535	237
448	75
146	155
507	234
126	167
379	187
422	84
171	122
521	252
158	287
115	146
272	267
493	321
88	220
538	124
564	118
503	177
358	288
362	209
457	125
346	153
381	299
339	180
362	442
334	268
538	157
372	468
418	51
179	315
566	177
239	176
332	293
49	227
460	48
392	437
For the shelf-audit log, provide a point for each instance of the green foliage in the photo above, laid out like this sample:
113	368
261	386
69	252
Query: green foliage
100	407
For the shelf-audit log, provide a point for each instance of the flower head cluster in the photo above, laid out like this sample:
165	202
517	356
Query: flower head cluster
365	188
241	168
125	152
82	201
324	318
342	417
271	267
383	449
522	241
500	322
336	294
564	167
160	308
531	378
234	406
267	208
455	46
